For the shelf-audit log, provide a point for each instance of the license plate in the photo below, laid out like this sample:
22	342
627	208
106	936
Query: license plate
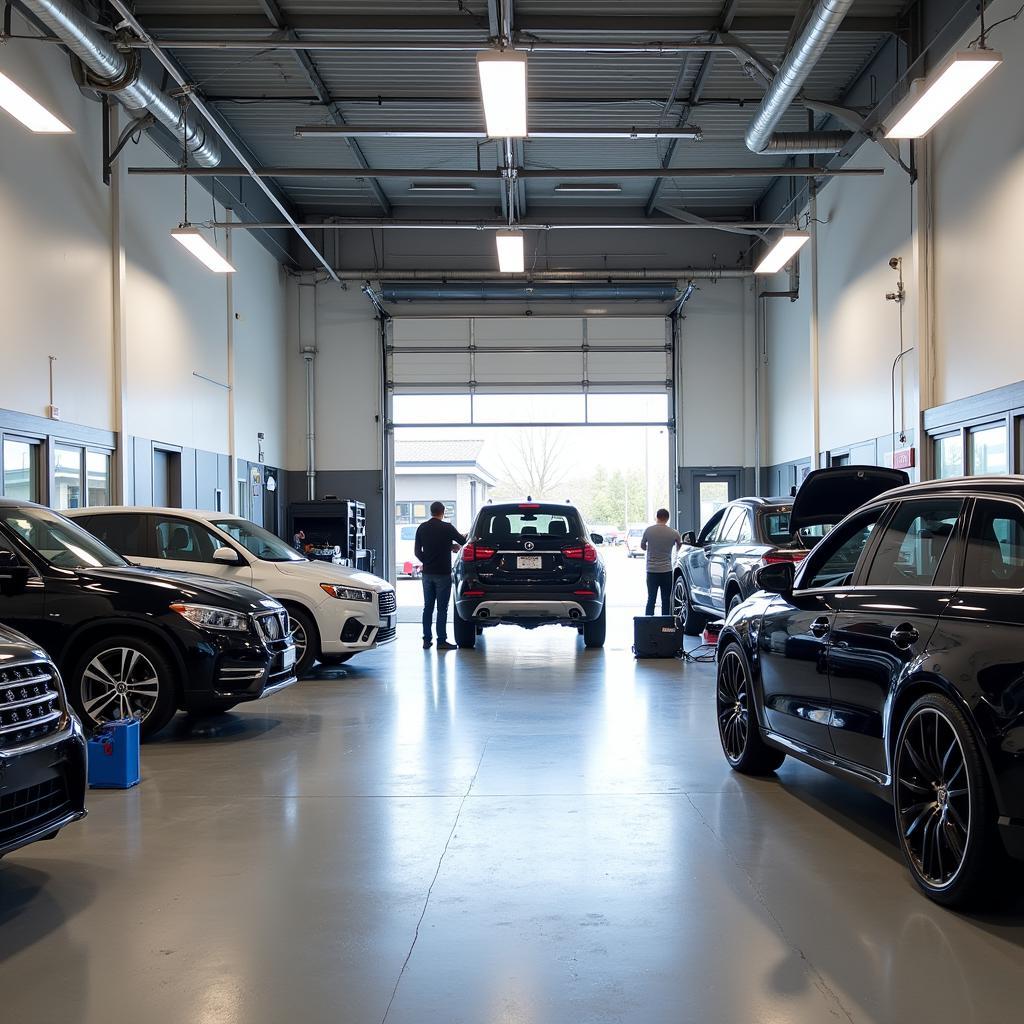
388	622
529	562
288	658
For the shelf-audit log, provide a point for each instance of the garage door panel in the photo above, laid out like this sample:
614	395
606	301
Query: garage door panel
614	366
494	367
439	331
534	330
430	367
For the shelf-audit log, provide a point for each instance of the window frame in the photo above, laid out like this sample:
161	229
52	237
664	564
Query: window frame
958	569
37	448
867	553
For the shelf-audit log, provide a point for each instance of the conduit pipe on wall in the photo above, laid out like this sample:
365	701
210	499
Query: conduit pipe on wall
822	23
121	76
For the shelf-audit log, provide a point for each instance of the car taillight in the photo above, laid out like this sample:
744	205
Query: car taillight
587	553
779	557
476	553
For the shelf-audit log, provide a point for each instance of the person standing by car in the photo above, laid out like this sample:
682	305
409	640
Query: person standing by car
660	542
436	541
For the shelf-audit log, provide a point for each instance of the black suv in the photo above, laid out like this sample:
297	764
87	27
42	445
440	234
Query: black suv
132	641
530	564
42	749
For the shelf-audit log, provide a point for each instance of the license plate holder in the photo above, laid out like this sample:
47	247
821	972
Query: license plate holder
529	562
287	657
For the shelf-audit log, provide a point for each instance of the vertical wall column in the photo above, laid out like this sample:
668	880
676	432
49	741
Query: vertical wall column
123	491
815	331
924	258
229	333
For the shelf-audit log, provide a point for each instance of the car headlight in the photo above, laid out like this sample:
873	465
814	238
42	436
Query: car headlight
346	593
207	617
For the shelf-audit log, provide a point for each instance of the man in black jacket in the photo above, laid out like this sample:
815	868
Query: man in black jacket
436	541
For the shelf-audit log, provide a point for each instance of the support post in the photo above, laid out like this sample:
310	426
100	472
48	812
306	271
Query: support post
925	265
229	295
123	491
815	330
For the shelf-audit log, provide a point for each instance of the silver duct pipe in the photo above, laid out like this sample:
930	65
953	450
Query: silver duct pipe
821	25
526	292
122	76
807	142
561	276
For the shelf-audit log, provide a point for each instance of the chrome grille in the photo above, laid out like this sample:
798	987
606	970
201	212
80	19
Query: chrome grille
385	636
25	810
386	602
273	626
31	705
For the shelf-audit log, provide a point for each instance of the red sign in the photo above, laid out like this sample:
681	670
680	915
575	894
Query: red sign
904	458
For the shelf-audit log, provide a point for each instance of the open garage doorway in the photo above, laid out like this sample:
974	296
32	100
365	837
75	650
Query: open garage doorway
563	409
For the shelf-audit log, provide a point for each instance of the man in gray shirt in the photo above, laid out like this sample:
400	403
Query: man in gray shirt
660	543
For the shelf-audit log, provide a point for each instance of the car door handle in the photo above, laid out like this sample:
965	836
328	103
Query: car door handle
819	627
904	635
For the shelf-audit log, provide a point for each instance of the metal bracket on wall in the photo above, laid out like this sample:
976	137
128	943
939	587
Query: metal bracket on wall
132	132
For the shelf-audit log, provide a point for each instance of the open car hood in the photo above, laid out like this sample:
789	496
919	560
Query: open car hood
828	495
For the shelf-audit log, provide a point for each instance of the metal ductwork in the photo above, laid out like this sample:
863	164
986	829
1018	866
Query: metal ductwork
821	25
807	142
526	292
122	76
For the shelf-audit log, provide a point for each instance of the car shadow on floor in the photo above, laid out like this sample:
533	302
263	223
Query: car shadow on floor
227	726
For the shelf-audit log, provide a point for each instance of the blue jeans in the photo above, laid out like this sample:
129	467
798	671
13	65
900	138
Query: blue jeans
436	589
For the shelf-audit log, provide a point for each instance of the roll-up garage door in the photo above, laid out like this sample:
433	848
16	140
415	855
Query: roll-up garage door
586	359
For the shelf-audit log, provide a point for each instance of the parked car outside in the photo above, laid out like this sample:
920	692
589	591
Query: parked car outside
634	535
333	612
42	746
530	564
604	530
407	565
134	641
891	657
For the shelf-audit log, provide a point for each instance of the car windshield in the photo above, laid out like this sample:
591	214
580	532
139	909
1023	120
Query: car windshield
257	541
527	522
58	540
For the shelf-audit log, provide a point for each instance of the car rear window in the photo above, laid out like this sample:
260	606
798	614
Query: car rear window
775	526
525	522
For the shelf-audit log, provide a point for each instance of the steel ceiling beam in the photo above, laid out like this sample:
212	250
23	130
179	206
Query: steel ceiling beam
348	132
312	75
367	224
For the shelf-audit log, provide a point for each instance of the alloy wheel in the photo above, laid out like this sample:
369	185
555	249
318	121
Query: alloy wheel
679	603
732	701
120	683
933	797
298	637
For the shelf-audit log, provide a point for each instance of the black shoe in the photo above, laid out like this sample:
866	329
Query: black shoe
443	645
426	644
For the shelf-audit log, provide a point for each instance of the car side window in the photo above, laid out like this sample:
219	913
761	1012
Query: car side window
730	531
745	533
833	561
712	528
995	547
181	540
124	533
913	543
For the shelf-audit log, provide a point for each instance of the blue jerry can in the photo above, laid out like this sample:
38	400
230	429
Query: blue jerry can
114	755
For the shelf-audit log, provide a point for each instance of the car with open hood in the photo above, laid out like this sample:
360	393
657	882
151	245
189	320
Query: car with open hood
334	612
131	641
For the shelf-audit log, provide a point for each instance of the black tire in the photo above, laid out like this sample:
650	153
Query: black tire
595	632
307	639
690	621
465	631
738	729
734	601
123	676
336	659
945	815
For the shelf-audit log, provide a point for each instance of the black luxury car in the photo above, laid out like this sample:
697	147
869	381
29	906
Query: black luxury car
892	658
133	641
714	571
530	564
42	748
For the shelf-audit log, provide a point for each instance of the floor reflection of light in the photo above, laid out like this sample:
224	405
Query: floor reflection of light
624	752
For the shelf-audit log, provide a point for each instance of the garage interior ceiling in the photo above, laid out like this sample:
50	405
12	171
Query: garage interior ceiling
394	87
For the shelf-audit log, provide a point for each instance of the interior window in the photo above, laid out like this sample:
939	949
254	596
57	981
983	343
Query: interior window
995	547
833	561
913	543
181	540
124	533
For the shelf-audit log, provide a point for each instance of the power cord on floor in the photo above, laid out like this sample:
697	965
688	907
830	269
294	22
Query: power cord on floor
703	653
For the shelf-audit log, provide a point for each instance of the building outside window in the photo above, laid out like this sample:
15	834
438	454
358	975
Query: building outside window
21	469
67	477
97	475
989	450
949	456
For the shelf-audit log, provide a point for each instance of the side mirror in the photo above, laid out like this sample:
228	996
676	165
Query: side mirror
14	575
227	556
776	578
690	539
597	538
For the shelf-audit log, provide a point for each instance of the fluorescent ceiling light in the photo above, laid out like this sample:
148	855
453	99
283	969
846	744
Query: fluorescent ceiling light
930	99
588	188
29	112
442	187
511	258
503	88
192	239
782	252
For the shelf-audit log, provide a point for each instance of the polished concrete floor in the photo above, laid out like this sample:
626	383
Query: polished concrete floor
528	833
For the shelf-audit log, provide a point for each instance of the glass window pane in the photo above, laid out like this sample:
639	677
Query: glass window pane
995	549
528	409
21	470
833	562
181	540
949	456
431	409
988	450
97	475
713	495
627	408
913	543
67	477
125	534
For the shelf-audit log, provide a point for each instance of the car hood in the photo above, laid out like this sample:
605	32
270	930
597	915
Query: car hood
327	572
15	645
829	495
186	585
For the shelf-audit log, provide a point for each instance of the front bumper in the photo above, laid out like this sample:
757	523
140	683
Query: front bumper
42	788
348	627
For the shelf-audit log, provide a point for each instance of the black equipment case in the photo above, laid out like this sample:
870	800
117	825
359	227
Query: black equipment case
656	636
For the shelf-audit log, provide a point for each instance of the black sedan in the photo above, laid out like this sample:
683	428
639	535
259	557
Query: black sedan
530	564
892	658
42	748
132	641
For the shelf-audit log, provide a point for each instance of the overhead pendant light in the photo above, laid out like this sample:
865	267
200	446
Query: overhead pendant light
511	253
442	187
930	99
503	89
788	245
588	188
193	240
30	112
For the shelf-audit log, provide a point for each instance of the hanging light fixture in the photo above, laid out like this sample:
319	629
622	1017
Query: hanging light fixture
29	111
785	248
503	90
193	240
511	253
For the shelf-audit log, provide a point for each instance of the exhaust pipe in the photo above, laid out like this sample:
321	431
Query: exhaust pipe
483	614
575	613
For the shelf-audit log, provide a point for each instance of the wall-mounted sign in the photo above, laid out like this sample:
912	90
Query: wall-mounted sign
904	458
271	484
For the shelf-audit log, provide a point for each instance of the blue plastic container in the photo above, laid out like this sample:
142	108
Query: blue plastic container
114	755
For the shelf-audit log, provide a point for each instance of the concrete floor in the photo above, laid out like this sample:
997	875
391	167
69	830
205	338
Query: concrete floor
528	833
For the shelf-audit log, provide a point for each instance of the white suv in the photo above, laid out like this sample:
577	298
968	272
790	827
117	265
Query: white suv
335	612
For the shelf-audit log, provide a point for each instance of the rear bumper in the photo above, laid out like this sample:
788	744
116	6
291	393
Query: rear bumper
530	609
